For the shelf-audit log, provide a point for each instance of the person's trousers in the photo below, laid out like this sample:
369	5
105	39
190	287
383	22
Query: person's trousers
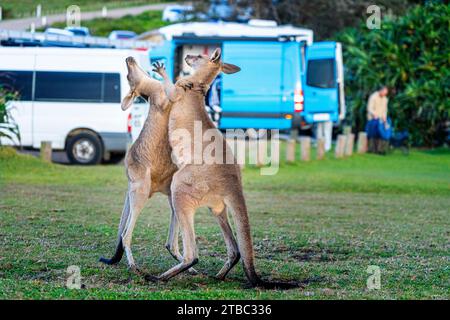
378	146
375	143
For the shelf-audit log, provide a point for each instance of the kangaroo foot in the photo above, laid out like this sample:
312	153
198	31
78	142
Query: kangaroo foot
179	258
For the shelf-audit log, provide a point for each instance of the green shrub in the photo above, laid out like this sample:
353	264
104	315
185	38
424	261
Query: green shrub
410	54
8	128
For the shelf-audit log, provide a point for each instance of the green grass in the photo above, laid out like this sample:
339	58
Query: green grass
143	22
322	222
27	8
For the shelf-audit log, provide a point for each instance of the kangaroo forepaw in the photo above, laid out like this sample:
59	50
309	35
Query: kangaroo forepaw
185	84
159	68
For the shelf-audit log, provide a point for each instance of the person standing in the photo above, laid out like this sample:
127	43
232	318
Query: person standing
377	115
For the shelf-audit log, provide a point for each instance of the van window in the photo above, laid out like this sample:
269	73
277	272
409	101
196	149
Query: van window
68	86
18	81
321	73
111	87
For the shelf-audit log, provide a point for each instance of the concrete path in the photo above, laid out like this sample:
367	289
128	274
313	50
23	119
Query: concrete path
24	24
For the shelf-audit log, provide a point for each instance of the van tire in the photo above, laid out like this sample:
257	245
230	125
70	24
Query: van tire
84	148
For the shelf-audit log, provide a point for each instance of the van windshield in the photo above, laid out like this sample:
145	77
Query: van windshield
321	73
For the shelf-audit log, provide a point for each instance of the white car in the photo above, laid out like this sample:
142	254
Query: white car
70	97
58	32
175	13
122	35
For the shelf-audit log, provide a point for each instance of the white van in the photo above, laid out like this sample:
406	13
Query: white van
71	97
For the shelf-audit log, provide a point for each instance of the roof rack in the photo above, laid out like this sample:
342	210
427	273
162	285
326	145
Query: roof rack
231	30
40	39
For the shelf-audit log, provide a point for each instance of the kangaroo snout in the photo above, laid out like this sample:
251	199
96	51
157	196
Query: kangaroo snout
189	59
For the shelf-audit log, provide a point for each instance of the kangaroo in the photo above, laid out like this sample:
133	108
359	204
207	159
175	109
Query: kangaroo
149	166
217	186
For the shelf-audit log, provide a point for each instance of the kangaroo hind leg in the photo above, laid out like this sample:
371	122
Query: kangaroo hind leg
185	212
233	254
172	238
138	193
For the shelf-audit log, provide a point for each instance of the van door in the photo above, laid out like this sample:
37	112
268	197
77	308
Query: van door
323	82
251	98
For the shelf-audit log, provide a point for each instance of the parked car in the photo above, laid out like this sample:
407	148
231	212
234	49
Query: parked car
220	10
121	35
71	97
58	32
59	37
175	13
79	31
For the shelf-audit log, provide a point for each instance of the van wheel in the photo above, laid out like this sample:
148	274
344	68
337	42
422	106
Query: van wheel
84	148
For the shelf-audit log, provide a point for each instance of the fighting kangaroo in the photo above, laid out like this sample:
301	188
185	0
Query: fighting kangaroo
149	165
218	185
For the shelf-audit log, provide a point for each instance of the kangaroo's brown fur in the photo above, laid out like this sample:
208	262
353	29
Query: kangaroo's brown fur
217	186
149	166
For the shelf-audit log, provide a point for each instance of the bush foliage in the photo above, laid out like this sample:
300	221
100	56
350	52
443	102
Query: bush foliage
410	54
8	127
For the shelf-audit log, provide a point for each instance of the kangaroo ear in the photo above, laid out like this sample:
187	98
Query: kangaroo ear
128	100
215	56
229	68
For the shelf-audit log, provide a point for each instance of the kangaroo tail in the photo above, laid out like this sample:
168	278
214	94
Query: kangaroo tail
119	248
239	212
117	255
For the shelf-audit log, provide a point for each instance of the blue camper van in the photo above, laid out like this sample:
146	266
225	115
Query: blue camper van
286	81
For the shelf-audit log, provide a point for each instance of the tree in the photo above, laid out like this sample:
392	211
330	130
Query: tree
325	17
409	54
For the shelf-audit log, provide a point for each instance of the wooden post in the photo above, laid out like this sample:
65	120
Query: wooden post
320	153
305	147
362	142
46	151
262	149
349	143
290	150
340	146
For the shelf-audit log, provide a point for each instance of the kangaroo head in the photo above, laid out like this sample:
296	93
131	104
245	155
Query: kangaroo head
136	79
212	65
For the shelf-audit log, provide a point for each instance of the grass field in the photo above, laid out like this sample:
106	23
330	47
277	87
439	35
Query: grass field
322	223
